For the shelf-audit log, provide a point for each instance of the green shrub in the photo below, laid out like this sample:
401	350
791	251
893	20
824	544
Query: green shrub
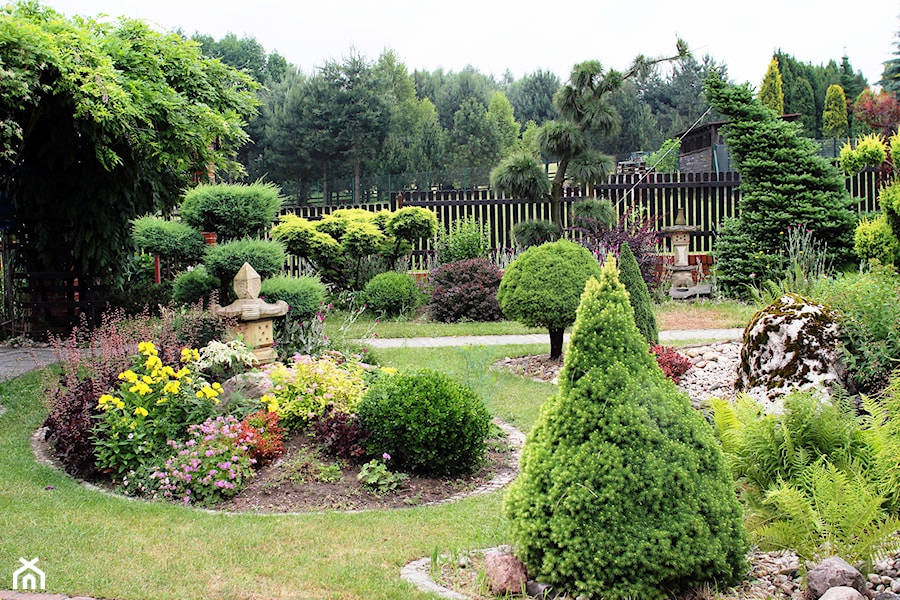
595	210
412	223
874	239
303	294
623	491
174	240
233	211
310	386
535	233
391	293
466	239
870	303
194	286
638	295
543	286
225	260
426	422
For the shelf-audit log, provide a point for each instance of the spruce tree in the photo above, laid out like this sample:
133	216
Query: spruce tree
771	93
624	491
784	182
638	295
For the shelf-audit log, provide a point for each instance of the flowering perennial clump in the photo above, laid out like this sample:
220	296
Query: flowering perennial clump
212	465
153	404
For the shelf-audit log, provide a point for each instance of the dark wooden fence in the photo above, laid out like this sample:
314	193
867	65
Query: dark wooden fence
707	198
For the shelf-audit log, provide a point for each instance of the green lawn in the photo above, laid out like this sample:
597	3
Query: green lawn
105	546
705	314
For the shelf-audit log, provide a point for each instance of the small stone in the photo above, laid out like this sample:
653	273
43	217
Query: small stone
504	573
701	364
874	578
692	352
711	356
886	580
886	596
895	586
464	562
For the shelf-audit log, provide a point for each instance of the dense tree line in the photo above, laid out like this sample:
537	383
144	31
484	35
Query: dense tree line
355	119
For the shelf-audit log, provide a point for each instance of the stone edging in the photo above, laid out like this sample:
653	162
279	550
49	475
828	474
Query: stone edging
418	573
42	455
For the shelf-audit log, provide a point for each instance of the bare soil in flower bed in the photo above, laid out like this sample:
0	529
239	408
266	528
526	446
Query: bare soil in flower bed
305	479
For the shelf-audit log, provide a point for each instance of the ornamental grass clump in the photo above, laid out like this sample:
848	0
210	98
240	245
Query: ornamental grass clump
624	492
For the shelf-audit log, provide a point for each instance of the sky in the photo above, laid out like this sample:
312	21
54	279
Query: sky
525	36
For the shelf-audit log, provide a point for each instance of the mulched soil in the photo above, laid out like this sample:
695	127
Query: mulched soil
304	479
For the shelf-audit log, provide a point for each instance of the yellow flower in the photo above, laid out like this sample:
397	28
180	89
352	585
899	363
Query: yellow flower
182	372
161	401
153	362
141	411
119	404
129	376
270	402
147	348
217	386
168	371
172	387
133	424
208	392
147	379
189	354
141	388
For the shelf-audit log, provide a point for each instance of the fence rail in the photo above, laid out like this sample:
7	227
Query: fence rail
707	198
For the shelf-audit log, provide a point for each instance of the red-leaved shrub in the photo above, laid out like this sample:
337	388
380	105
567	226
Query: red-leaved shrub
672	362
466	289
340	434
265	438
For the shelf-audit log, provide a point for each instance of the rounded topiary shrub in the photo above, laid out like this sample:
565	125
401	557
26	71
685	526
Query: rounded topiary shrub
175	240
426	422
542	287
195	285
391	293
874	239
232	211
225	260
466	290
303	294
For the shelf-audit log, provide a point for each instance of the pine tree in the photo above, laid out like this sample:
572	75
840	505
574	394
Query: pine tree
638	295
771	93
890	76
834	117
624	491
784	182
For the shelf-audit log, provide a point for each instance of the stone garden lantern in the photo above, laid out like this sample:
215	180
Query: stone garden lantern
254	315
682	271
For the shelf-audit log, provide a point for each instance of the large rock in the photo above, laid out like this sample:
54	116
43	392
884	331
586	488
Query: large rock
504	573
247	385
832	573
842	593
790	344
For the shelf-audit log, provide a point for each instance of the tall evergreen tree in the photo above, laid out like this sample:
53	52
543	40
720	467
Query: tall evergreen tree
638	295
784	182
890	75
624	491
771	92
834	118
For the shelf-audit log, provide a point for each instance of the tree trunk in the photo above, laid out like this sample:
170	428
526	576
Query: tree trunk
556	342
556	192
356	178
324	183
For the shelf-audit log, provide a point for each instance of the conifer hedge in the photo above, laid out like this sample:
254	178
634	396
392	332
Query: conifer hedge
624	491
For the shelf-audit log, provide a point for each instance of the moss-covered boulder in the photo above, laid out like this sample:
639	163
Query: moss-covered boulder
790	344
624	491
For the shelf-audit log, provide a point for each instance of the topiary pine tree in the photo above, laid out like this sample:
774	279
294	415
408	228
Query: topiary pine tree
771	92
624	491
638	295
542	287
784	182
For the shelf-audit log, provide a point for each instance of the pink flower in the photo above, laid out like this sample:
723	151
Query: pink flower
386	456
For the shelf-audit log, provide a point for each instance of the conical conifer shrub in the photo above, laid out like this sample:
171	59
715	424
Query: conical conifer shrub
624	492
638	294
